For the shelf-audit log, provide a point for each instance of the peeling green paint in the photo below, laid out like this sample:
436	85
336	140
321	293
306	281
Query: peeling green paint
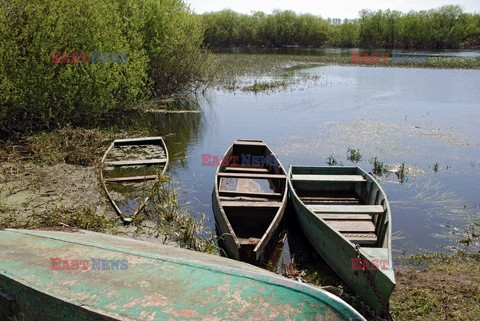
160	283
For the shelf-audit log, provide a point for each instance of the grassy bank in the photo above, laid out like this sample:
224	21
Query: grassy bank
448	290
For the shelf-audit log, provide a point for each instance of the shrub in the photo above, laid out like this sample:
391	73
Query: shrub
162	39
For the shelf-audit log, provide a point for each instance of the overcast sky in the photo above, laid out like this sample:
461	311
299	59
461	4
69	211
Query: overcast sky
327	8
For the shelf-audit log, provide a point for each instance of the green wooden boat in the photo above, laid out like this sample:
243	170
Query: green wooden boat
127	279
129	168
345	215
249	200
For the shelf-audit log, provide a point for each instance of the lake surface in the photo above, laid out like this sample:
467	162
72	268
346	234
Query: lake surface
411	116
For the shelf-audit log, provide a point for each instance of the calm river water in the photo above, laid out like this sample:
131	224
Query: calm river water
427	119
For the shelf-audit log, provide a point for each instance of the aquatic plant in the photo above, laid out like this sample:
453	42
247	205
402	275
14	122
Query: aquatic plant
402	171
266	86
174	223
378	167
354	155
331	160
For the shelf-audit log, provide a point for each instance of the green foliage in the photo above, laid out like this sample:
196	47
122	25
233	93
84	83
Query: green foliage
444	27
281	28
378	166
162	39
354	155
39	94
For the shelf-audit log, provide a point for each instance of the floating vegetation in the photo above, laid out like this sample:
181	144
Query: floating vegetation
472	234
331	160
354	155
266	86
378	167
401	173
247	72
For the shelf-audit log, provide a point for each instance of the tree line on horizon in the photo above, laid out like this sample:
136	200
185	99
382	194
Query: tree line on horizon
447	27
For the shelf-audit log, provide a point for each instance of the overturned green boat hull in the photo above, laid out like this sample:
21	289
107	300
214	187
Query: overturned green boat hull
143	281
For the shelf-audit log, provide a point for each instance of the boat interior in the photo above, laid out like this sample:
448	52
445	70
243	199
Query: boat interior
130	167
348	203
251	193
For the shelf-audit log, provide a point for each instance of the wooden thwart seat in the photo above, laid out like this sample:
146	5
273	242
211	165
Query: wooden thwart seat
352	226
251	204
327	178
328	199
130	179
154	161
361	238
246	169
251	194
352	217
252	175
346	209
249	143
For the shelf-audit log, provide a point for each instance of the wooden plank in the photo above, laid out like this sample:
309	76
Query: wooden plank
326	170
246	169
249	241
347	209
139	141
352	226
130	179
243	198
328	178
250	143
252	175
250	204
328	199
345	217
153	161
251	194
361	238
331	202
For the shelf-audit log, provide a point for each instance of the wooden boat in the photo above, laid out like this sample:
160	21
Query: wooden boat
129	168
151	282
249	199
345	215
